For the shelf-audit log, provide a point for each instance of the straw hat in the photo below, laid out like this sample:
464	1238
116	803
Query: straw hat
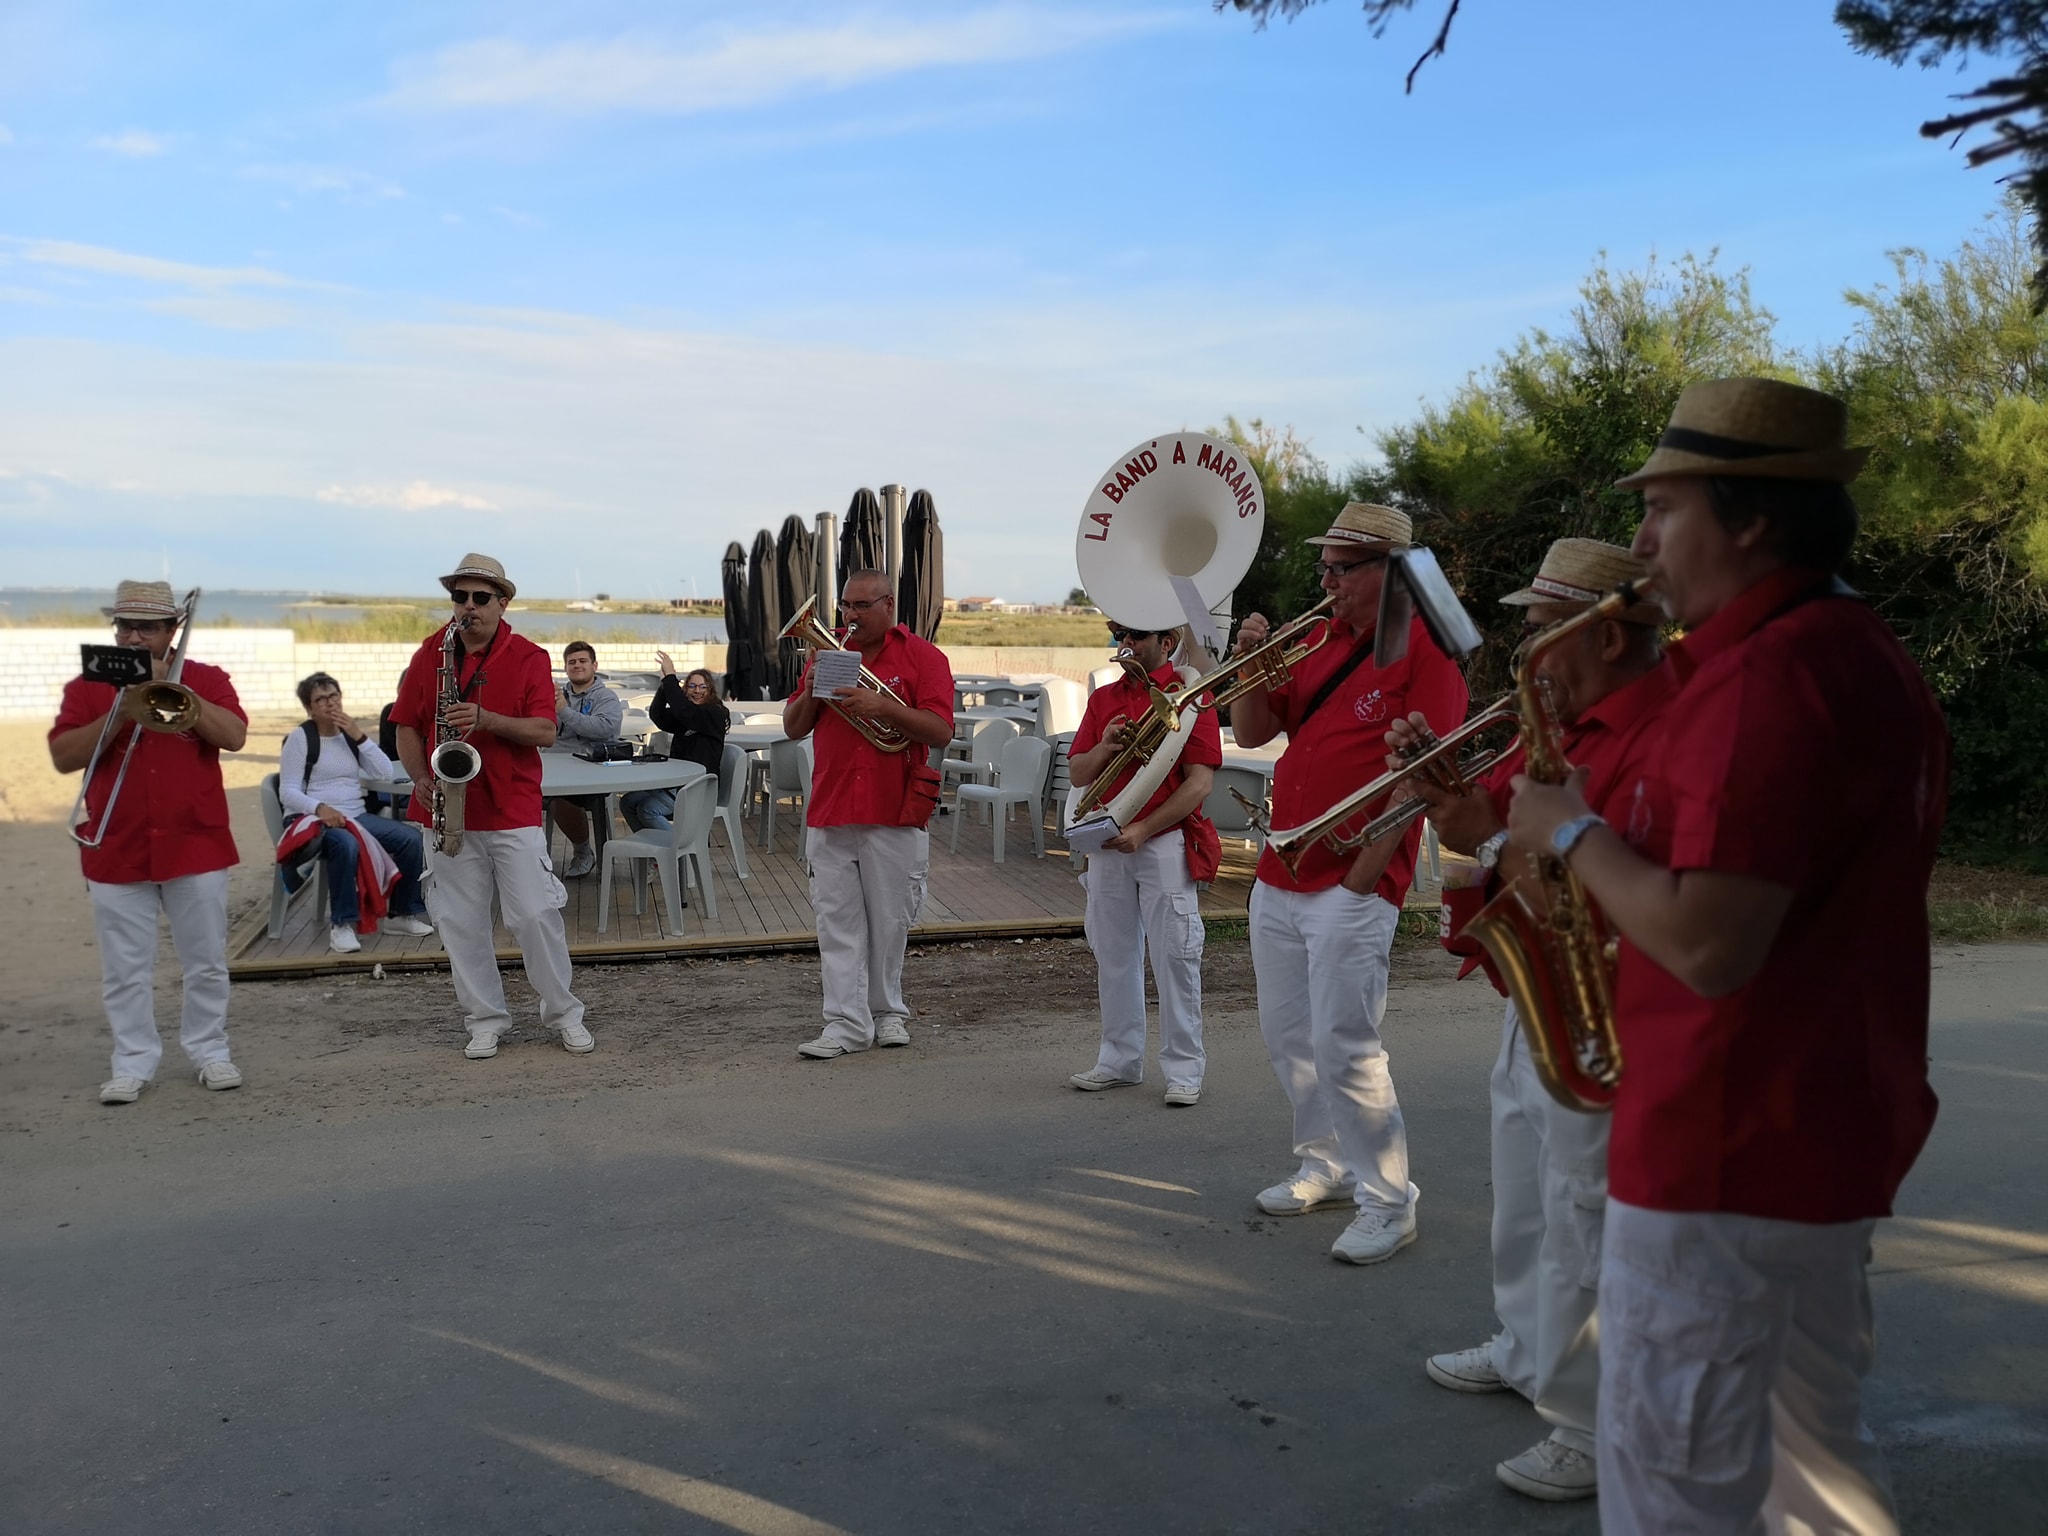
1584	571
1363	523
1756	428
143	600
482	567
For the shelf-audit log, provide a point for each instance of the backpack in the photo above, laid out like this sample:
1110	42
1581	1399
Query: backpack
312	732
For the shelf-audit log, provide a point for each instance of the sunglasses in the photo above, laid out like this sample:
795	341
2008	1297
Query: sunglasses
481	598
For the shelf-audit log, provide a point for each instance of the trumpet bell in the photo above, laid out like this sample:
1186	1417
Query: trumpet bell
1180	505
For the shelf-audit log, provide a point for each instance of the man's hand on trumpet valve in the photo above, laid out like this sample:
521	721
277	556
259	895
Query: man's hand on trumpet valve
1120	731
1252	631
1462	822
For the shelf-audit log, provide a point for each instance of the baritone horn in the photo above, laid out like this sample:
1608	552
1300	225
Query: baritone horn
163	705
804	625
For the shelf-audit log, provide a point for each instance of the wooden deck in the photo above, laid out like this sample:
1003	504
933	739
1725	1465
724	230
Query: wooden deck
969	895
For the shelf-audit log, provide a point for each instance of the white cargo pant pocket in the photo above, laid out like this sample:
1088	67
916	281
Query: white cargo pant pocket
552	891
1587	1194
1187	924
913	896
1688	1385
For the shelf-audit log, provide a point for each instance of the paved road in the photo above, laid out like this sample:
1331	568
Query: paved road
906	1292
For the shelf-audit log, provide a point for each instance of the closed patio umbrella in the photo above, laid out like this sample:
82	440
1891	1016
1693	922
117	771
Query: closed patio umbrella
921	596
764	607
744	675
795	581
860	536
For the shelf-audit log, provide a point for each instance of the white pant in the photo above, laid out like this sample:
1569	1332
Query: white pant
1133	898
1732	1359
1549	1199
125	918
515	865
1321	962
867	887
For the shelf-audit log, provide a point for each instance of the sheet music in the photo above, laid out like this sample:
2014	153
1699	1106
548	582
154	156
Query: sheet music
836	674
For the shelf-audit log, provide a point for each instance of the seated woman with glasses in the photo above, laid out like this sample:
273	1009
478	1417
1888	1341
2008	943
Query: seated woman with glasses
690	710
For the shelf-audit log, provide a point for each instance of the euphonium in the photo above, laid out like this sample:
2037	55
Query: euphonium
450	758
163	705
804	626
1550	943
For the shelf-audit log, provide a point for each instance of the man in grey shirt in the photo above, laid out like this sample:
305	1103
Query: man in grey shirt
585	712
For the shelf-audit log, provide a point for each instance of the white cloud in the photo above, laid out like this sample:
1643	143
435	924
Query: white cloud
133	143
416	496
726	67
150	269
334	180
227	311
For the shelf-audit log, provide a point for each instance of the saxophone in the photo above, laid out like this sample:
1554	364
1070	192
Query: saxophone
1552	945
451	760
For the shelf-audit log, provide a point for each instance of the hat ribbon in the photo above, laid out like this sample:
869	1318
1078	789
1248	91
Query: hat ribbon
1551	587
1712	445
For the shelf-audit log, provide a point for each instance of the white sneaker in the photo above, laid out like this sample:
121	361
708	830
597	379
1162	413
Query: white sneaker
1552	1471
581	862
824	1048
121	1090
891	1032
1466	1370
1376	1234
576	1040
416	927
1183	1094
1095	1079
1302	1193
220	1075
342	940
483	1045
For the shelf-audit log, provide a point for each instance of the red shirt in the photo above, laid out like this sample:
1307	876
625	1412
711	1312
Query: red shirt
1124	697
172	817
1803	749
853	782
516	680
1344	745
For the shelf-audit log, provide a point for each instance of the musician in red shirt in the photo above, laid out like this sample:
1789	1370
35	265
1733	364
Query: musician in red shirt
506	702
1139	885
164	848
865	834
1608	690
1321	936
1773	991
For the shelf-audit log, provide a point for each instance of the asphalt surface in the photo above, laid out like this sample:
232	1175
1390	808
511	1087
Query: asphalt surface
902	1292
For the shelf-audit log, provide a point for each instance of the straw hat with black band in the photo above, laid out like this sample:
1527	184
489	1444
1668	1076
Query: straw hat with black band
143	600
1581	572
1761	429
476	567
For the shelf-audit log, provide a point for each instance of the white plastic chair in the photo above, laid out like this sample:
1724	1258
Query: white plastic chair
688	837
310	871
1020	780
732	803
984	747
1222	807
789	773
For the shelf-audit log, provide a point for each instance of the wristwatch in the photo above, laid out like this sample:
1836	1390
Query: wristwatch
1566	837
1488	852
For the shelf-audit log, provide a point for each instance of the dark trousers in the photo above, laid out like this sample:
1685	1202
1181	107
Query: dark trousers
400	839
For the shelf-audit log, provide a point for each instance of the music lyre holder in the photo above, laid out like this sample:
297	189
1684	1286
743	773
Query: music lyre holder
1414	584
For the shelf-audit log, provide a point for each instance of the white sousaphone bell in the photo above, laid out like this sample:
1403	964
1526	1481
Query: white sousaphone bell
1168	532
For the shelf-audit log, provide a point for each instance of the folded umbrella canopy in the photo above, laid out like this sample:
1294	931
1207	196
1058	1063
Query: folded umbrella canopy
744	675
794	582
860	536
764	608
921	590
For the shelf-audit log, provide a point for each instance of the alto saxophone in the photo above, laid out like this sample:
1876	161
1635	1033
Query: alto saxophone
451	760
1552	945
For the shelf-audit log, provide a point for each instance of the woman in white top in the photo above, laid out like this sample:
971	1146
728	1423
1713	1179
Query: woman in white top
320	772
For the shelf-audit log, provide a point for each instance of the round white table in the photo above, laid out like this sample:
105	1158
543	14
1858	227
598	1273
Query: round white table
565	776
755	738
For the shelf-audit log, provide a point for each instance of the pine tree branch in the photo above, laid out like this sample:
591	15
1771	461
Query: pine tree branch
1435	49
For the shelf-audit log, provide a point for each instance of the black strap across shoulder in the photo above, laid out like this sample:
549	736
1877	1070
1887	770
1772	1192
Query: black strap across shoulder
313	752
1334	681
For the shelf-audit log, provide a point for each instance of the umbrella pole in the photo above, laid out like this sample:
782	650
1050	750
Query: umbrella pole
893	497
827	566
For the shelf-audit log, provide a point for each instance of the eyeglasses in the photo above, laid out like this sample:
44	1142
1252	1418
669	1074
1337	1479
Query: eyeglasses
140	626
862	605
483	597
1328	569
698	686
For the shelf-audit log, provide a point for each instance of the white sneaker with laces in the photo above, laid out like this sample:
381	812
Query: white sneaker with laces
891	1032
220	1075
581	862
121	1090
1466	1370
483	1045
1095	1079
1302	1193
1552	1471
416	927
825	1048
342	940
1181	1095
1376	1234
576	1040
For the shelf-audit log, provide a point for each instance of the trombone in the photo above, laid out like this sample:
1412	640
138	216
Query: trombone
804	625
1443	760
163	705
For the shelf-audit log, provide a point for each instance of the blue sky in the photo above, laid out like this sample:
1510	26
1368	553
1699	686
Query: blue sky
325	297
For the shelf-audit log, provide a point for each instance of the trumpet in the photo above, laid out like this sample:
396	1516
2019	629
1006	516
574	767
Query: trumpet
804	626
164	705
1443	760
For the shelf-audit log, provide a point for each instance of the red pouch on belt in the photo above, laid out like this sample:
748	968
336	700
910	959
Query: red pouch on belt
920	791
1203	846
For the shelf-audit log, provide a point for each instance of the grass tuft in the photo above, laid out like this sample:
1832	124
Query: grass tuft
1983	919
